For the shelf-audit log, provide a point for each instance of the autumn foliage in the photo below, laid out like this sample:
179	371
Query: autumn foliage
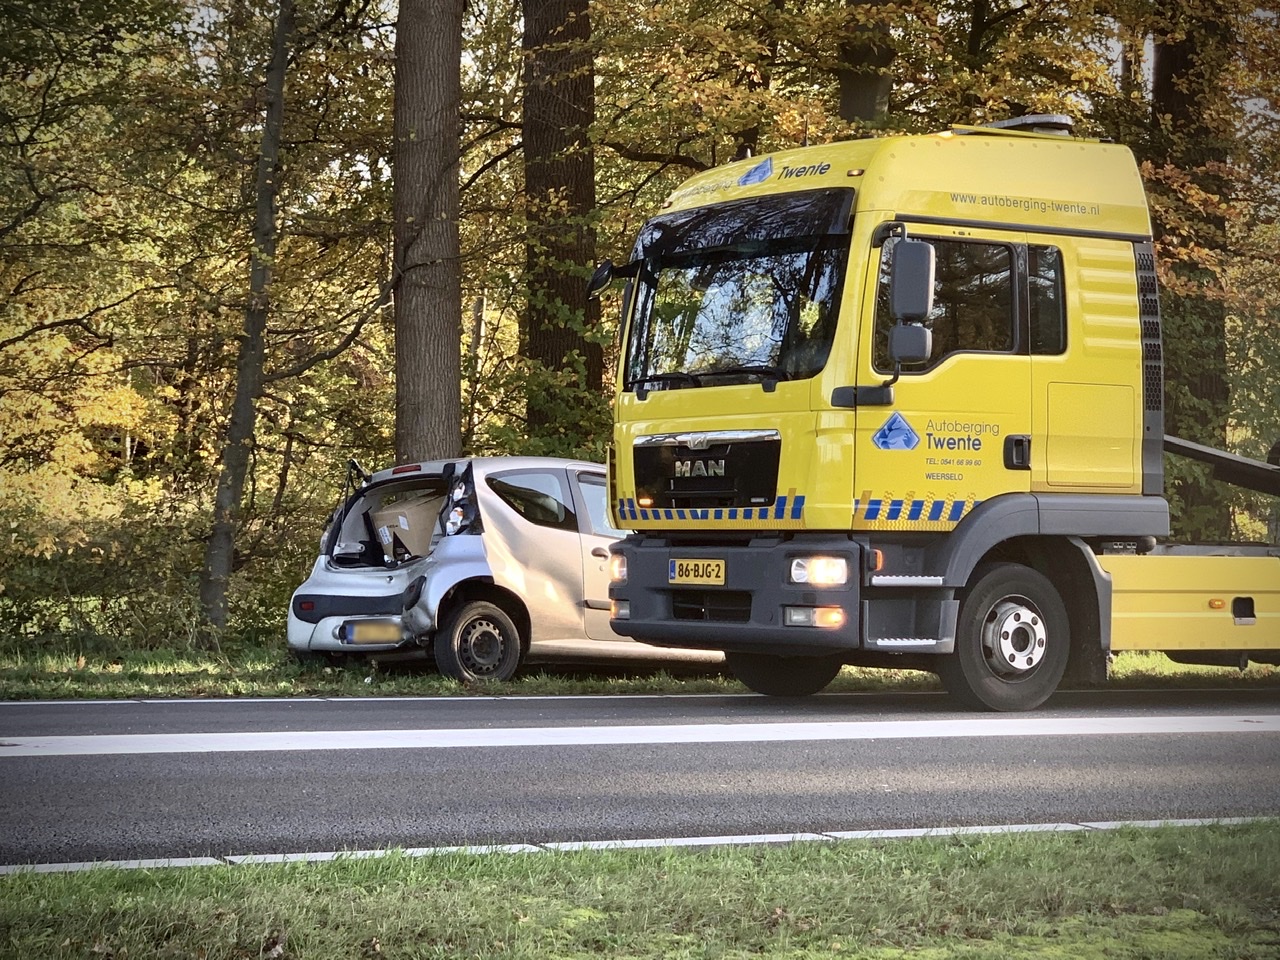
132	133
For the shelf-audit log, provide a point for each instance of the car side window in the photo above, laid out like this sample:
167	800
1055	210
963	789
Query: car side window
540	496
972	301
596	497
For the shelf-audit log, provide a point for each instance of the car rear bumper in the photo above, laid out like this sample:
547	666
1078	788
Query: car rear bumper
325	636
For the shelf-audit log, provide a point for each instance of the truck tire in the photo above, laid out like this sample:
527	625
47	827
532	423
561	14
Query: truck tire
783	676
477	642
1012	640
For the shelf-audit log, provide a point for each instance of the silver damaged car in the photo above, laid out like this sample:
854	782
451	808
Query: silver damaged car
473	560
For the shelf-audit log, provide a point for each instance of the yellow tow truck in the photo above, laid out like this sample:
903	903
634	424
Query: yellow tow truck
898	402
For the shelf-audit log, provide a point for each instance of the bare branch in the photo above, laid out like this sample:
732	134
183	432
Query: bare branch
81	321
628	152
384	298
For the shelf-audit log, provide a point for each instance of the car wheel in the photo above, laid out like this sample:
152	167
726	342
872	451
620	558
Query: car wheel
478	642
783	676
1012	640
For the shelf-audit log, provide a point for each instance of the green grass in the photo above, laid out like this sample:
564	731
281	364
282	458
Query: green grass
257	671
1169	893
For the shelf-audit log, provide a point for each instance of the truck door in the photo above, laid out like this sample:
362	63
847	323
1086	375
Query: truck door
1086	367
958	429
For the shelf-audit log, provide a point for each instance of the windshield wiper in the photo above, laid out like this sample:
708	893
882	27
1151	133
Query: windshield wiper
674	376
769	375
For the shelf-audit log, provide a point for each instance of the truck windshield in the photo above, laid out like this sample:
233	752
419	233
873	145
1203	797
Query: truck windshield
738	292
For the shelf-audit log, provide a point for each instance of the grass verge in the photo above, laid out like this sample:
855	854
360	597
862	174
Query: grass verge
1174	893
256	671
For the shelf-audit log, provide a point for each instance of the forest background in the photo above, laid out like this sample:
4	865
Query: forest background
245	241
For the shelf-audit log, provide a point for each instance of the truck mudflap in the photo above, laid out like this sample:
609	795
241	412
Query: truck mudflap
746	596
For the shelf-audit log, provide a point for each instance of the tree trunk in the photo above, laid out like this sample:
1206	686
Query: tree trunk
220	548
864	83
559	172
1189	106
428	278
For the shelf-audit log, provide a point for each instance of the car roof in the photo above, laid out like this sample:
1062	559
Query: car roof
482	466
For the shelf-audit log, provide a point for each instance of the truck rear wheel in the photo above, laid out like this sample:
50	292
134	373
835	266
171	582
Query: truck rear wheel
1012	640
783	676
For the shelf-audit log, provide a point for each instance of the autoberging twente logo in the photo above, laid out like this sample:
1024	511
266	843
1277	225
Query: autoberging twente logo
761	172
896	434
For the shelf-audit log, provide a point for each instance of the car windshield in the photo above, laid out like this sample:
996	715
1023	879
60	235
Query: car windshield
738	292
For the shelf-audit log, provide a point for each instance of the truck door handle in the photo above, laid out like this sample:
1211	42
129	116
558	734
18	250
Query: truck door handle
1017	452
600	553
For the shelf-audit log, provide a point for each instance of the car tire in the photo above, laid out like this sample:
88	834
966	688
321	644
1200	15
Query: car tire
476	643
777	676
1013	637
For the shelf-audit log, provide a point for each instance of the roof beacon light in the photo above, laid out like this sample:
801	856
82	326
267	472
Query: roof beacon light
1058	123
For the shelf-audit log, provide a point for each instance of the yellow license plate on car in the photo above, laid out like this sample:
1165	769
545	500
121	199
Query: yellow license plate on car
380	631
697	572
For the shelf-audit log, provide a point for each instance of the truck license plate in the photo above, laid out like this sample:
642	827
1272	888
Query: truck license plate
374	631
697	571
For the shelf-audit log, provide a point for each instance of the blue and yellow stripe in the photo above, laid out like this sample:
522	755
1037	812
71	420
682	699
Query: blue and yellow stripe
789	507
904	512
912	511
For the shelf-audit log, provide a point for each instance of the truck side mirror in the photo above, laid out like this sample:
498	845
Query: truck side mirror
911	281
910	343
601	279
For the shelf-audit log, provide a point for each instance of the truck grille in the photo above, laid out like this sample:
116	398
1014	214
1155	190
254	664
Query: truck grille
714	469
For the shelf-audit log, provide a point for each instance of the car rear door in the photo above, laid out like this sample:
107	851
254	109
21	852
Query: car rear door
534	548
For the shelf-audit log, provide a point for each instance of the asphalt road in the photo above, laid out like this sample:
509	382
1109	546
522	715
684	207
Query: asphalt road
157	779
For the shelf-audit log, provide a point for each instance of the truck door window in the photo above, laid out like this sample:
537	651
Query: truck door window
972	301
1046	300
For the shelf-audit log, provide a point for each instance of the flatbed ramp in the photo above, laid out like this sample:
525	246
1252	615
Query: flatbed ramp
1230	467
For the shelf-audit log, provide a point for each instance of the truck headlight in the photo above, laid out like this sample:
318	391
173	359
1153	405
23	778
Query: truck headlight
820	571
617	568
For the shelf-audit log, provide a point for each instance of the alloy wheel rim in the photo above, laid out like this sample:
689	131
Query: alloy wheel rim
1014	638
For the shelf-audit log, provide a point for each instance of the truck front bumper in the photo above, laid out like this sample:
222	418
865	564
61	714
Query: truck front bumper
757	609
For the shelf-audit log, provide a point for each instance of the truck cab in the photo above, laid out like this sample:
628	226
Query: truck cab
826	452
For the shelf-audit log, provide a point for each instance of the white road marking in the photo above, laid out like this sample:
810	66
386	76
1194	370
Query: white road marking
348	699
475	738
398	698
740	840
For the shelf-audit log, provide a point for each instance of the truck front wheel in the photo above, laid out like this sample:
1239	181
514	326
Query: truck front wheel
1012	640
783	676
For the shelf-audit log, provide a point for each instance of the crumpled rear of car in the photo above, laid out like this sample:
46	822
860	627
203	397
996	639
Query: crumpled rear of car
382	539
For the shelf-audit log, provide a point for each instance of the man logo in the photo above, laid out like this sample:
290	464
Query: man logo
896	434
699	468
